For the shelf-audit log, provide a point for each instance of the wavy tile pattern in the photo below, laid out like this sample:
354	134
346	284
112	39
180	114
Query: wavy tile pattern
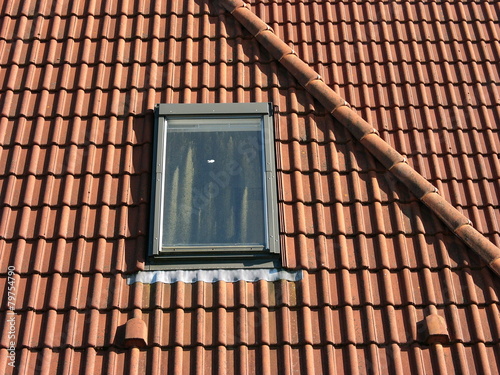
78	82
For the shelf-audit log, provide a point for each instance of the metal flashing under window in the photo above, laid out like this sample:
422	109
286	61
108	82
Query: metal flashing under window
213	276
214	187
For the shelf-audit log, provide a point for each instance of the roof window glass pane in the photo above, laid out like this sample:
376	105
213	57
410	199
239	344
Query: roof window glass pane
214	183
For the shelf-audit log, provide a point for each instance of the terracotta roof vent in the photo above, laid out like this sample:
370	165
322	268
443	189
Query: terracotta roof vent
136	333
436	331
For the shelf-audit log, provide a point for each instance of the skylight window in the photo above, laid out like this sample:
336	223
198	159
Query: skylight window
214	187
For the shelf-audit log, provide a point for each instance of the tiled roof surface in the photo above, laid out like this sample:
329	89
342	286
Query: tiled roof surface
78	82
366	134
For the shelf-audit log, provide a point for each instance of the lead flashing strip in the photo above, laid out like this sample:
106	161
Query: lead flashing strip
362	131
213	276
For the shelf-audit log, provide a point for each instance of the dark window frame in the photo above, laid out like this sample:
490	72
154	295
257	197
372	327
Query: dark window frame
213	256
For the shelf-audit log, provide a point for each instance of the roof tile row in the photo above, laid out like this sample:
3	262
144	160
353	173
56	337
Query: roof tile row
380	251
367	287
72	223
463	58
378	11
299	9
357	219
260	327
74	191
81	132
308	360
315	157
89	159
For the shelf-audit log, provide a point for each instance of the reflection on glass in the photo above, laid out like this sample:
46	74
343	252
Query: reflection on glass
214	183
